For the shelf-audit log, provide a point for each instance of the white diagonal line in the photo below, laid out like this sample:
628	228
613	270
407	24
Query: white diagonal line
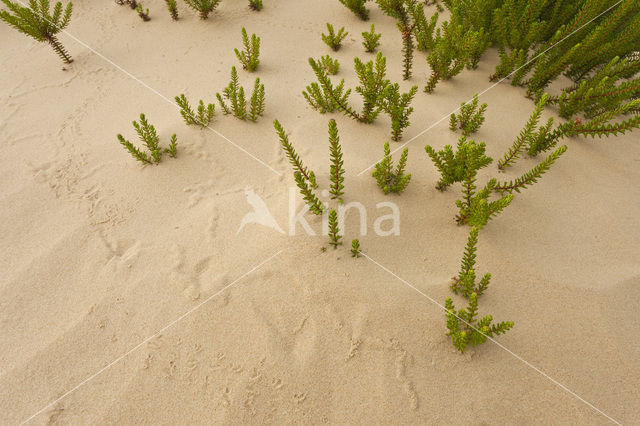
142	83
493	85
162	330
518	357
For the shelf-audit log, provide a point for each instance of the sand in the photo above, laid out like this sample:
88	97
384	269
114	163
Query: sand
100	253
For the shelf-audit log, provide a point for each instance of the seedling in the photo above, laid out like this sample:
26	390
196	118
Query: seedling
234	94
333	39
293	157
202	118
355	248
357	7
336	170
332	66
388	179
470	117
334	232
37	22
149	137
465	328
142	13
255	5
173	9
203	7
371	39
250	56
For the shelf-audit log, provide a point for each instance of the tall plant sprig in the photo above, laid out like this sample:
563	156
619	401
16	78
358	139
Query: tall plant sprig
372	85
249	58
465	283
532	175
202	118
336	169
38	22
293	157
396	104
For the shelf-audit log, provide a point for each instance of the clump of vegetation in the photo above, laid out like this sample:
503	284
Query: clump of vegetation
202	118
401	11
357	7
203	7
336	170
293	157
332	66
143	13
149	137
255	5
172	5
325	99
452	165
532	175
333	39
235	95
355	248
371	39
470	117
397	106
38	22
465	328
334	232
388	179
249	58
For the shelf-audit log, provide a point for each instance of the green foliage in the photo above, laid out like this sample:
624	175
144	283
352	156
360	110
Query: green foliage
397	106
357	7
470	117
149	137
315	205
372	86
371	39
465	328
203	7
332	66
143	13
322	98
336	170
172	5
424	29
255	5
234	94
603	124
527	134
532	175
475	209
388	179
452	49
355	248
293	157
37	22
465	283
334	232
249	58
333	39
453	166
202	118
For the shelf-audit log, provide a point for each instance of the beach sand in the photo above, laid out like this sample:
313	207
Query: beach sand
100	253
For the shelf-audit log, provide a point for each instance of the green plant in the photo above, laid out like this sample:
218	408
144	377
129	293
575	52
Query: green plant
293	157
336	170
37	22
470	117
332	66
249	58
255	5
424	29
202	118
465	282
315	205
390	180
334	232
172	5
602	125
475	209
149	137
453	166
203	7
234	93
371	39
403	11
357	7
397	106
333	39
326	98
526	136
142	13
355	248
465	328
532	175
